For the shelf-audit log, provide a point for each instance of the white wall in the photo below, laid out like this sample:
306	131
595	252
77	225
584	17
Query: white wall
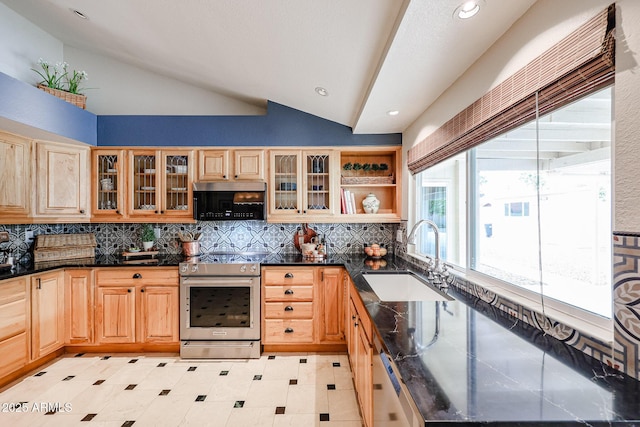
119	88
627	111
21	44
122	89
544	24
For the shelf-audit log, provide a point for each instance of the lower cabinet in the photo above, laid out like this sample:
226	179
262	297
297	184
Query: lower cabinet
14	335
303	305
359	343
47	313
137	305
78	302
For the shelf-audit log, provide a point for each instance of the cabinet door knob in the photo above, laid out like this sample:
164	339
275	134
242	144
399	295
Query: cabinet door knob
118	212
129	290
137	276
288	331
81	211
236	176
224	176
142	290
288	308
288	292
288	276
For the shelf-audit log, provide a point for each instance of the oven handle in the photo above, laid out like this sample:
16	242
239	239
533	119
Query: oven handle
217	281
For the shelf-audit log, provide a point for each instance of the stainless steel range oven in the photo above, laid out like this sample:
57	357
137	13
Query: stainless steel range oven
220	306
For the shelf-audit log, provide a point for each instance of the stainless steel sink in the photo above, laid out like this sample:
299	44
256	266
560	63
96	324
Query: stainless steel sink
403	286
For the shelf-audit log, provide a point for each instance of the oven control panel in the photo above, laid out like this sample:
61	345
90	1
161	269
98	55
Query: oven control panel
213	269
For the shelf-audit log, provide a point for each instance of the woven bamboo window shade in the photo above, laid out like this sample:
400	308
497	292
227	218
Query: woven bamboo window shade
582	63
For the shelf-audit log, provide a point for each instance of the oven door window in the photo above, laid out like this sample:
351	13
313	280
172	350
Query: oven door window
220	307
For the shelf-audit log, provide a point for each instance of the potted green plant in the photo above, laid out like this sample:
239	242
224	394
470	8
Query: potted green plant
148	236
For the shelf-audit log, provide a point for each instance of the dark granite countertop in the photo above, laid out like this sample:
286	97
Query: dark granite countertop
465	361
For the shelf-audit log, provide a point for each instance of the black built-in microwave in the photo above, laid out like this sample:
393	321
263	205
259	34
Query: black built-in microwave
223	201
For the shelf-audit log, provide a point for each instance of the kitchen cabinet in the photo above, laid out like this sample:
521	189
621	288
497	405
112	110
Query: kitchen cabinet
331	287
231	165
360	349
302	185
78	302
61	181
376	170
160	185
303	308
108	185
47	313
142	185
137	305
15	179
14	324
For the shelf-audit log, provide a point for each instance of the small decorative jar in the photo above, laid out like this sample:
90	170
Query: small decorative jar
371	204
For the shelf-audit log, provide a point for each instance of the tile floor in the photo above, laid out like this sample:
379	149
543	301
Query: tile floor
163	390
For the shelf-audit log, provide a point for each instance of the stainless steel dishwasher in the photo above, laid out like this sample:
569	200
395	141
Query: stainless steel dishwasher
392	404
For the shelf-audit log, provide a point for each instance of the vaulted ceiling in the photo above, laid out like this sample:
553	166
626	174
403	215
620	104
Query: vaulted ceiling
371	56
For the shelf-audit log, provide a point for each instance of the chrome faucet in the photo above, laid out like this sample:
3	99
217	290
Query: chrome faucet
438	273
411	240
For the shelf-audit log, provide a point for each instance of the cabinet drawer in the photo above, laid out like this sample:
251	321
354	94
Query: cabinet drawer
288	310
288	331
13	353
137	276
288	293
287	276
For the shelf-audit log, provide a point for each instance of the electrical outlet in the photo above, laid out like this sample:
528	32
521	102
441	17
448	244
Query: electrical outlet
157	232
399	236
4	236
28	236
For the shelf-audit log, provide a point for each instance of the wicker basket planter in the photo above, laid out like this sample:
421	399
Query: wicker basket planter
72	98
353	180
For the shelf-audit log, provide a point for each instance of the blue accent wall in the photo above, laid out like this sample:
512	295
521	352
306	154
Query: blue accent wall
281	126
26	104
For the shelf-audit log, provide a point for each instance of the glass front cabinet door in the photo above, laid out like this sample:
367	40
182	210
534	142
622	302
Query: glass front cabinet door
160	184
108	187
301	184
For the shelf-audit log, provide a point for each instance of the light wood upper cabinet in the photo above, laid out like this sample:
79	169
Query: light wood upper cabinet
379	171
213	165
302	185
61	177
15	176
108	184
160	185
231	165
47	313
248	165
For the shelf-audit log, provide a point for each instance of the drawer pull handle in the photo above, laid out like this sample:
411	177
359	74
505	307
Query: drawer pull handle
288	308
137	276
288	276
288	292
288	331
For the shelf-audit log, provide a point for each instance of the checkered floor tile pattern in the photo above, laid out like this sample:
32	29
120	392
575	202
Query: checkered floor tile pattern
164	390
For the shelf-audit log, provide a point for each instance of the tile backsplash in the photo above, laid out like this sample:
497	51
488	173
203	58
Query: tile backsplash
218	236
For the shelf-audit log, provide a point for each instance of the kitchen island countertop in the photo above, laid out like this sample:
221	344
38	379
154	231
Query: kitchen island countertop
465	361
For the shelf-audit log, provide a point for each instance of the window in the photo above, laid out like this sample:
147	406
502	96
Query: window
441	198
539	206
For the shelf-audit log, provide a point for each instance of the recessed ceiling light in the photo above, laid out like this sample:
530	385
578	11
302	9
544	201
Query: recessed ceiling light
79	14
467	9
393	112
322	91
